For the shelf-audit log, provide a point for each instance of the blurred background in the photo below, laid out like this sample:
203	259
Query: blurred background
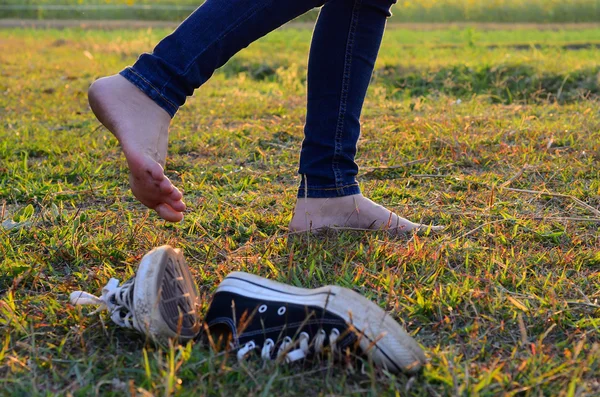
427	11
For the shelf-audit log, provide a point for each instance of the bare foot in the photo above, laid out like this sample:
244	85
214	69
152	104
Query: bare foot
355	211
142	128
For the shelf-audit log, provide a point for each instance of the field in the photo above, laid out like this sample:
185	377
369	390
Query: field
494	133
540	11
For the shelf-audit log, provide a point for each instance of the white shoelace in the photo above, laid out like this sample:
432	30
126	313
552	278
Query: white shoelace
115	299
286	345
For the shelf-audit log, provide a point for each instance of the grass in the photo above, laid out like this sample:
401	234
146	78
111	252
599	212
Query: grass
539	11
505	301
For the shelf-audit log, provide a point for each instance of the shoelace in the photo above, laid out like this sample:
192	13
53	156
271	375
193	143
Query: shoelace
115	299
285	348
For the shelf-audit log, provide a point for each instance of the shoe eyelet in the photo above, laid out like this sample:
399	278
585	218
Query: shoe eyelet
262	308
281	310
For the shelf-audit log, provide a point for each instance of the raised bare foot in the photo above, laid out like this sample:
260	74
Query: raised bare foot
355	211
142	128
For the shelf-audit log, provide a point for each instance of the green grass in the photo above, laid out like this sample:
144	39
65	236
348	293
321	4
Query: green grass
539	11
505	301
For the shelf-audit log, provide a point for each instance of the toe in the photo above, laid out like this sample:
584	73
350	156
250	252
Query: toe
177	205
166	187
167	212
156	171
175	194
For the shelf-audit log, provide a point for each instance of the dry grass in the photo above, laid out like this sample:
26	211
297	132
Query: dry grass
505	301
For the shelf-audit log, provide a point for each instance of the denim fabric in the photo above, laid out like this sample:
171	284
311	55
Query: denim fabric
344	48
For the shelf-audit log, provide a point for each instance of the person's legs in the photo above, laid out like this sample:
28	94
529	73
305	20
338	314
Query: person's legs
137	105
340	66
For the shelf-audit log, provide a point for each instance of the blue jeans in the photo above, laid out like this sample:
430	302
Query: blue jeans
342	56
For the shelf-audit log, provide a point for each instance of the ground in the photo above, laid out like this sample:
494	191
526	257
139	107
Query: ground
491	132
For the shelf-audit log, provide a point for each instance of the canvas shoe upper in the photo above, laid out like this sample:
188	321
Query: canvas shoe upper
161	301
278	321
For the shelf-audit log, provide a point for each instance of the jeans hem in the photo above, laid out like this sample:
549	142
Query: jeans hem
328	191
150	90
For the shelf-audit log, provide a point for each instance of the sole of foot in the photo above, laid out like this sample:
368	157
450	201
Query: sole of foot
350	212
142	128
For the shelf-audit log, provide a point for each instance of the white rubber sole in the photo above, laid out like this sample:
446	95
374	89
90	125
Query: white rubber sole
165	296
388	344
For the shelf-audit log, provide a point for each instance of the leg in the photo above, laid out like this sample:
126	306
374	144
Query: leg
342	57
137	105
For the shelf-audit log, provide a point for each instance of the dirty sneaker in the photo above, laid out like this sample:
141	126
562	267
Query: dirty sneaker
280	322
161	301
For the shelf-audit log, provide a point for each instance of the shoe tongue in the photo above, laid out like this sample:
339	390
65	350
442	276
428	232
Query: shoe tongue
240	319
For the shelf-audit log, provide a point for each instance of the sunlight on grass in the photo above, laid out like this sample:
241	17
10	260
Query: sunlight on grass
494	134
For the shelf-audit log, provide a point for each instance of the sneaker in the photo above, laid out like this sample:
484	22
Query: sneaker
250	313
161	301
285	323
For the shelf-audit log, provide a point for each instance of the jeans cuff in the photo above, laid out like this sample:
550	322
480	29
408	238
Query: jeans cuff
328	191
150	90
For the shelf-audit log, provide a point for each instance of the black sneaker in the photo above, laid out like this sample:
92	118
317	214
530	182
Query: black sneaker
251	313
161	301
